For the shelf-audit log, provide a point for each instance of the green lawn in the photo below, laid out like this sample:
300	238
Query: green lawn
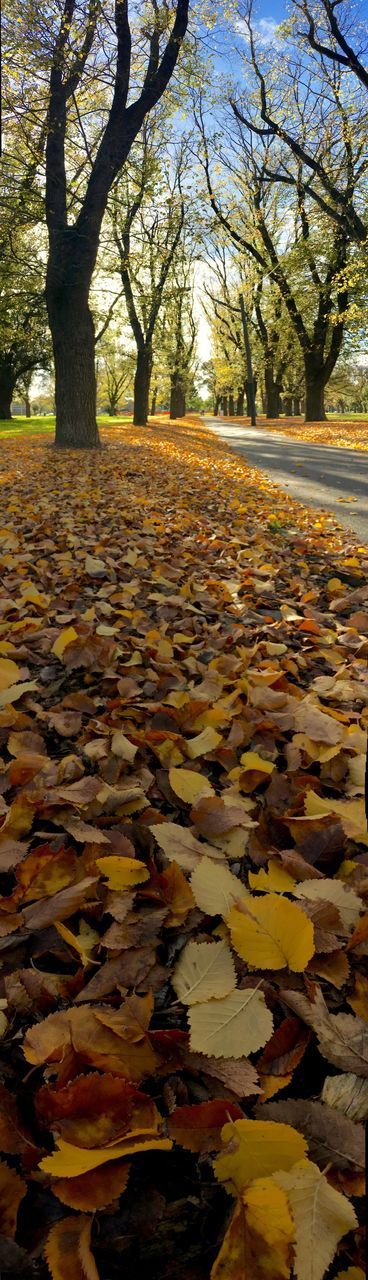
21	426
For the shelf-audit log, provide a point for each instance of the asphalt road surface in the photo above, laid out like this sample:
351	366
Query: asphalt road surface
317	475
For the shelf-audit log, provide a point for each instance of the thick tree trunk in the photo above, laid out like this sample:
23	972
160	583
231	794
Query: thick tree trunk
142	383
272	393
225	408
296	406
240	404
177	399
217	405
73	343
314	394
288	406
7	384
154	401
231	405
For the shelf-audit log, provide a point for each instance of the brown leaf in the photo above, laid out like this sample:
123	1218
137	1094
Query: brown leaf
12	1190
199	1128
342	1039
332	1138
95	1190
68	1252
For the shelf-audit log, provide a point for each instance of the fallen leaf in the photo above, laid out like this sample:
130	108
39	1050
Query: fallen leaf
255	1149
238	1024
205	969
271	932
322	1216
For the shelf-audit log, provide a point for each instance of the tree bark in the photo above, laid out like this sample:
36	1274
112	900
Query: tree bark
7	384
272	392
73	341
240	404
27	405
142	383
296	406
217	405
154	401
177	399
315	381
231	405
225	408
288	406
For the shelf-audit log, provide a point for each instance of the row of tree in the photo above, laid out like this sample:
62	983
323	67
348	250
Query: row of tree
126	176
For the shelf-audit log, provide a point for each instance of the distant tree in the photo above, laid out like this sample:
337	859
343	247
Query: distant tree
148	217
105	73
115	371
24	338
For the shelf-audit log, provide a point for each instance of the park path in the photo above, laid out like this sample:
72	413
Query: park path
315	474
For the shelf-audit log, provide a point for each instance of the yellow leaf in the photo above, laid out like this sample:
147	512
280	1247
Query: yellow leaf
205	969
275	879
83	943
238	1024
208	740
94	567
321	1217
352	1273
32	595
66	637
123	748
272	932
255	1149
122	873
189	786
70	1161
351	813
16	691
251	760
215	888
268	1213
257	1243
9	673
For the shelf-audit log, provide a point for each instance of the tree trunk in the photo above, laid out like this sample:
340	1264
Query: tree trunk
142	383
154	400
231	405
240	404
288	406
7	384
314	394
73	341
272	392
177	398
27	405
217	405
225	409
296	406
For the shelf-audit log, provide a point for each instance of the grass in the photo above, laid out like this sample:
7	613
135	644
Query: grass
21	426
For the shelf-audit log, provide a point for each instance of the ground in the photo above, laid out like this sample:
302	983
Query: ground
183	854
332	479
342	431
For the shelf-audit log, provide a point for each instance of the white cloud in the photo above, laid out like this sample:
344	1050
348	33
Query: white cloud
265	31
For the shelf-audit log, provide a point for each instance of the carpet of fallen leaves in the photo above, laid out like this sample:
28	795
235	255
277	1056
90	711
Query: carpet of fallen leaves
183	856
342	435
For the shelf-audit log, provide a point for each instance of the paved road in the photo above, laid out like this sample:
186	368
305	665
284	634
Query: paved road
315	474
